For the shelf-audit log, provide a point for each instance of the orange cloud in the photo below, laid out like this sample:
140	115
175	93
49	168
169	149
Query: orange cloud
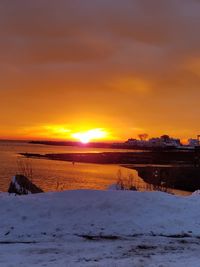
117	64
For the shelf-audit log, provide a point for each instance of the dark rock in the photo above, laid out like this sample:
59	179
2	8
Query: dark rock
21	185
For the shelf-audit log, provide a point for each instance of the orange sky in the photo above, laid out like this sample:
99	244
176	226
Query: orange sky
126	67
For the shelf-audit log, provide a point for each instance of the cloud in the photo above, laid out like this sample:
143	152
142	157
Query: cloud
62	60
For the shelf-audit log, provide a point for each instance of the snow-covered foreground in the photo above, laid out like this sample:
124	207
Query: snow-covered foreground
99	228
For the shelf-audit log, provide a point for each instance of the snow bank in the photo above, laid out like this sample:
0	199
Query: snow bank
49	216
99	228
196	193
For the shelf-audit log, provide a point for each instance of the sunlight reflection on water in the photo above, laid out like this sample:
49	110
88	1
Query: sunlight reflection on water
57	175
53	175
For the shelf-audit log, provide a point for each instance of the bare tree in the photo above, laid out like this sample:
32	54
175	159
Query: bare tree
143	137
24	167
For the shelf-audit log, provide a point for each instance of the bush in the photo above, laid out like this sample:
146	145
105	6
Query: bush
124	183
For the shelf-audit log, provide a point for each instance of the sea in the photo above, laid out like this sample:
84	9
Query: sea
54	175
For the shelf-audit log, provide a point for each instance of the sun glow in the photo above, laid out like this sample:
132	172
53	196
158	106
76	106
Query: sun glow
86	137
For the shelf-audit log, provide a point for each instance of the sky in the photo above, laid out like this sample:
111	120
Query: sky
122	67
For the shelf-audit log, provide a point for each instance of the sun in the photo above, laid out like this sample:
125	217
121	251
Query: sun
90	135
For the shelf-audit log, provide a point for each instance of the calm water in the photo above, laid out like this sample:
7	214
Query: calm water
58	175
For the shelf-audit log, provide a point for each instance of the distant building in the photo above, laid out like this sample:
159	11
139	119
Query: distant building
163	141
193	142
136	142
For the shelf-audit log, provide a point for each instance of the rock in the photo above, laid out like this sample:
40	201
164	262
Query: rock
21	185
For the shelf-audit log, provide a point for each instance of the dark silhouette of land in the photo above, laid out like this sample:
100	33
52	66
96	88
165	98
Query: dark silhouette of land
178	177
138	157
118	145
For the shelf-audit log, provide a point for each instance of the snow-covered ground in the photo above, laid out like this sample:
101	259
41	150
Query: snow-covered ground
99	228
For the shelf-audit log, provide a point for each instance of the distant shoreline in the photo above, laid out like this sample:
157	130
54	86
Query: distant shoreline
110	145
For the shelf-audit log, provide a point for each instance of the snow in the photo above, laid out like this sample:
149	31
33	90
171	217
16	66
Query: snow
99	228
15	183
18	186
197	192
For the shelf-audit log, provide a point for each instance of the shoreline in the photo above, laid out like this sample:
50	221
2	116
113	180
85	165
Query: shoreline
145	157
176	170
